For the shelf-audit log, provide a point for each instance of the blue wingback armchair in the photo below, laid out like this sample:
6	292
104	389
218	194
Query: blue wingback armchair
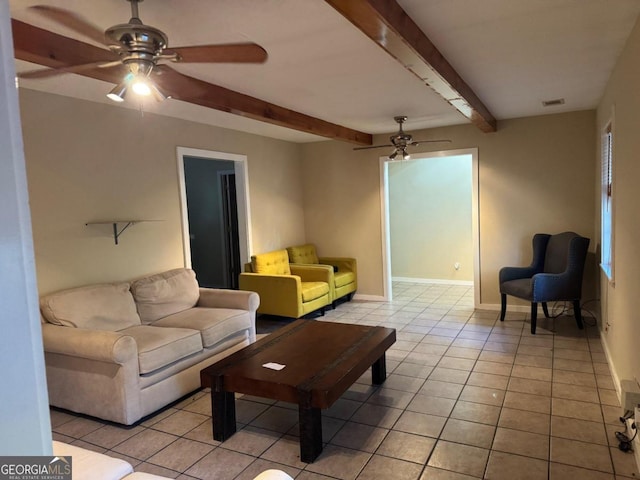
555	274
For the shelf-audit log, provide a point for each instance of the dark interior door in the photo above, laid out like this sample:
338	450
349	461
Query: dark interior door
213	221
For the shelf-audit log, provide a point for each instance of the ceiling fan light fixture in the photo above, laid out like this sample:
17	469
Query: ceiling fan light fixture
118	92
405	155
393	155
141	85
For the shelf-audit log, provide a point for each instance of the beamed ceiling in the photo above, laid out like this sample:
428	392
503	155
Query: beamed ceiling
342	69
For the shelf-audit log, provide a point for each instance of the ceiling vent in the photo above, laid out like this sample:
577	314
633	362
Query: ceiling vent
552	103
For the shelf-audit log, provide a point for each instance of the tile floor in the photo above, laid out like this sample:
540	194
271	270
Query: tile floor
466	397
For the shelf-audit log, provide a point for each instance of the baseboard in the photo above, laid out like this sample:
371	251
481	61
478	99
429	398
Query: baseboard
616	383
432	280
614	373
369	298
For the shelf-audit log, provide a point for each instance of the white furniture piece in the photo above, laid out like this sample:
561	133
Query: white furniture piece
122	351
89	465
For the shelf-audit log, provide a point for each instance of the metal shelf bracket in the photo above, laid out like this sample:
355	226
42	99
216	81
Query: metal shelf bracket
117	230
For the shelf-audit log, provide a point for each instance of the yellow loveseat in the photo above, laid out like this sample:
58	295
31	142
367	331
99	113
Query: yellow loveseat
286	290
344	270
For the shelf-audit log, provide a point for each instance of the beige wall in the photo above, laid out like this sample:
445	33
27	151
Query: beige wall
535	175
430	218
342	207
621	303
88	161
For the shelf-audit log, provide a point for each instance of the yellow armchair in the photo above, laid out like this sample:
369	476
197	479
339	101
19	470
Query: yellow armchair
344	279
286	290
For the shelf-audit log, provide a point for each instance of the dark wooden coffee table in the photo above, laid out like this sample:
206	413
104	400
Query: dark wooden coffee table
322	360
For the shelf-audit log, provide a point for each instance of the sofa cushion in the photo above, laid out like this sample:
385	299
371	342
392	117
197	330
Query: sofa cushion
272	263
95	307
166	293
214	324
159	347
344	278
303	254
313	290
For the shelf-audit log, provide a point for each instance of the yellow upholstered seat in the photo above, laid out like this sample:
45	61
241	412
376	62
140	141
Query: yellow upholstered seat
286	290
344	270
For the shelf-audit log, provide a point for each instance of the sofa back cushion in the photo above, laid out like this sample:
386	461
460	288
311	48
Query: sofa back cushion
303	254
166	293
96	307
272	263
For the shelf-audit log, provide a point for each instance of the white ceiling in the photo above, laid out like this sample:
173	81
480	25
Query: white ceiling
513	53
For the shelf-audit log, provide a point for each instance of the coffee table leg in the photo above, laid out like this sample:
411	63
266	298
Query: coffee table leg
310	433
379	370
223	414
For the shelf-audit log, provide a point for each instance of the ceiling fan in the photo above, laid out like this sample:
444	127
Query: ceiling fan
400	141
140	49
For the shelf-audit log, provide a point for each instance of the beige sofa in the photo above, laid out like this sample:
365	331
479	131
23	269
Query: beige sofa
122	351
89	465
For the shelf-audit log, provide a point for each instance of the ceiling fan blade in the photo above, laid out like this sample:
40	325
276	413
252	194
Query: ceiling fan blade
374	146
50	72
71	20
227	53
430	141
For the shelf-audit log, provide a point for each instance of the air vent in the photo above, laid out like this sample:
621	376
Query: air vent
551	103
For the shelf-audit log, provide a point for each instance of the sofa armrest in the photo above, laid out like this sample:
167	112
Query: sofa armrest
312	273
221	298
507	274
101	345
343	263
279	294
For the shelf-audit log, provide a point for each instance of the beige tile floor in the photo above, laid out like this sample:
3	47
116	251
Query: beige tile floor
466	397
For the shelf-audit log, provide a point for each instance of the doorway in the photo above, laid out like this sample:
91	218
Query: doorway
214	205
416	218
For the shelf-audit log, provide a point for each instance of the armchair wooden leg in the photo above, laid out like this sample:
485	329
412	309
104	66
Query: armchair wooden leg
534	317
545	310
577	313
503	307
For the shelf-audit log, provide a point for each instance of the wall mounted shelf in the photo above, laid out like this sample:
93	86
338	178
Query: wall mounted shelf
119	226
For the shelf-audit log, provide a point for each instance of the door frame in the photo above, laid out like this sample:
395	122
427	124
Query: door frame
475	226
242	197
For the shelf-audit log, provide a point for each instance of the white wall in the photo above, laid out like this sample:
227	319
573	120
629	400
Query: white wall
24	416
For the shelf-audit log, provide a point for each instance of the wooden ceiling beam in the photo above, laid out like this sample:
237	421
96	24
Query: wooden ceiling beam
36	45
387	24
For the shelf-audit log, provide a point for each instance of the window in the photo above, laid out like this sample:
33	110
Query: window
606	231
